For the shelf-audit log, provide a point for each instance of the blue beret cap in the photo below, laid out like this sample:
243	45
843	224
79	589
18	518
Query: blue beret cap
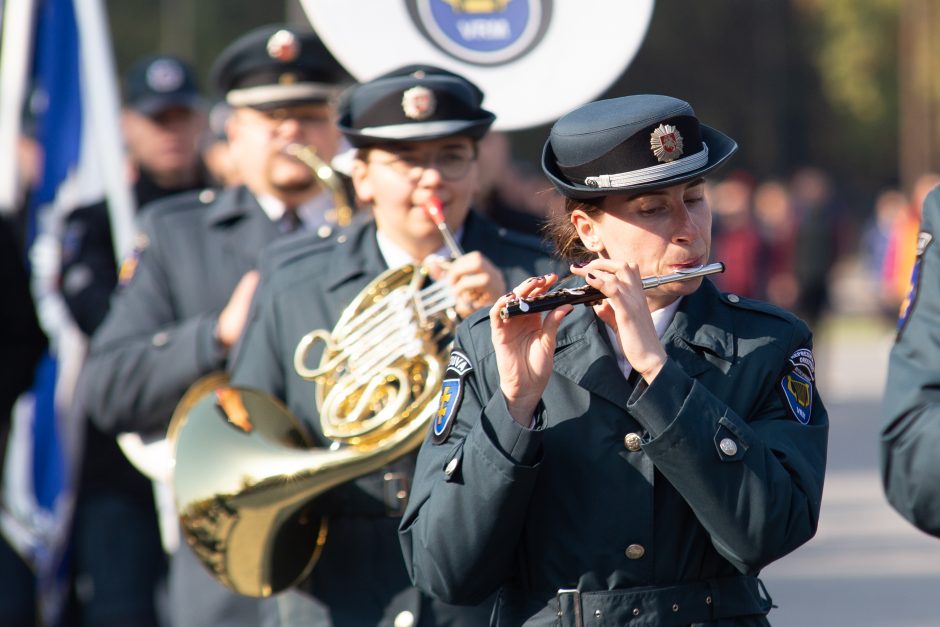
631	144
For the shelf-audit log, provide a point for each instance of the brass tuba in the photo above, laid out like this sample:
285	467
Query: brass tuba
150	455
341	213
245	473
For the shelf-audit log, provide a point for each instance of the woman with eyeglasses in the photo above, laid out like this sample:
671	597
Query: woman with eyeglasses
637	460
415	132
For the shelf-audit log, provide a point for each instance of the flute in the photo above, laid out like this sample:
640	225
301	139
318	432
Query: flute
590	295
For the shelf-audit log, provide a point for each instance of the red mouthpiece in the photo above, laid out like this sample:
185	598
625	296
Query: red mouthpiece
434	210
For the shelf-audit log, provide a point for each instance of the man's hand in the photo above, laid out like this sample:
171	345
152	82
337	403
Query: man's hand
232	319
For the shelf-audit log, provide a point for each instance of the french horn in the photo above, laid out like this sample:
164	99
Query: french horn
246	475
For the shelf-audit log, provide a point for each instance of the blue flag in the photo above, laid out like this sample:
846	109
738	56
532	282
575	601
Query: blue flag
44	448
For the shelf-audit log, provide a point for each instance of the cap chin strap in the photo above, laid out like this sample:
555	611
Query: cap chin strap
652	173
263	94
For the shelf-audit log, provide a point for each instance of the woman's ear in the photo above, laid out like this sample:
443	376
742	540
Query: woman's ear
586	228
361	181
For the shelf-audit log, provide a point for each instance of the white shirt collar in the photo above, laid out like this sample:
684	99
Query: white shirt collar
312	213
662	318
395	256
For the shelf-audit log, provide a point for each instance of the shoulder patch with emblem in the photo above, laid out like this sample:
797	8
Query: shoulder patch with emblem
923	241
129	265
796	386
458	367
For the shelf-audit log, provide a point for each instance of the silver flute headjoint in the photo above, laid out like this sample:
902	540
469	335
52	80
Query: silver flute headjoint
590	295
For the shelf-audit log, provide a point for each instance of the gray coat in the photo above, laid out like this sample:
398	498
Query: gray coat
650	505
158	339
307	286
910	439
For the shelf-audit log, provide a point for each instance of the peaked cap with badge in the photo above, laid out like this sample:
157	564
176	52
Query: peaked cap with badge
158	82
413	103
631	144
276	66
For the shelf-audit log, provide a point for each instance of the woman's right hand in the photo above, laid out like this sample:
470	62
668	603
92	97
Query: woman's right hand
525	347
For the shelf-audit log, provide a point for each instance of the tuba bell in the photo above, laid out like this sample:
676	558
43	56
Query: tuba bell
342	211
150	455
247	476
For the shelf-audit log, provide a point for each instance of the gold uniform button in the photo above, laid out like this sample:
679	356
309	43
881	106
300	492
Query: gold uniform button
728	446
635	551
404	619
450	468
632	442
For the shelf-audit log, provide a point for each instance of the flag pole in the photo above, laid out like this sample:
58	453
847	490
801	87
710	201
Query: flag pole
14	69
102	100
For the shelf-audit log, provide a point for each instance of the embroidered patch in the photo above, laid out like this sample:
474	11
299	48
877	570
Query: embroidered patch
798	393
803	361
129	265
923	241
451	393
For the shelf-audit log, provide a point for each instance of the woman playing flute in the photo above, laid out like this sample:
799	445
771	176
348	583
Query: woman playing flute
634	462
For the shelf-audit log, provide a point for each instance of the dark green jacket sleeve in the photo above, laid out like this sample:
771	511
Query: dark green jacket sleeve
910	439
763	501
486	447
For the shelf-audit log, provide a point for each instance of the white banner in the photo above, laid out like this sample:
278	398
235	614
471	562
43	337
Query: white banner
534	59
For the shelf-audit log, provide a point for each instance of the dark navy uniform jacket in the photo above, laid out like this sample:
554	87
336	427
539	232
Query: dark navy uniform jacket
157	339
360	578
910	439
651	505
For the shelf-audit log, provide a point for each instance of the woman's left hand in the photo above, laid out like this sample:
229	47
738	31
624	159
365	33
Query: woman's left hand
627	312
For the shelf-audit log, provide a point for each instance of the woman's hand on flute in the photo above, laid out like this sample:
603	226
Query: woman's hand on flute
626	310
525	347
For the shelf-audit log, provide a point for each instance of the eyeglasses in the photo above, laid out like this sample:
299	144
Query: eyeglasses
452	166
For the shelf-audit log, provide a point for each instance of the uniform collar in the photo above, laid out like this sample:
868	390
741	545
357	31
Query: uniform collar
700	334
703	326
232	204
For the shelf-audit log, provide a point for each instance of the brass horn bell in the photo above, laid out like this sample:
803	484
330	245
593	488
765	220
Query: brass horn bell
246	475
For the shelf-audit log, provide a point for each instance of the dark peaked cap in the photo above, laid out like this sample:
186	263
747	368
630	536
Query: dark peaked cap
413	103
631	144
275	66
158	82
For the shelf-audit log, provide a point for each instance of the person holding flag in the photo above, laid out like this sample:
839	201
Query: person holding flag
56	49
162	122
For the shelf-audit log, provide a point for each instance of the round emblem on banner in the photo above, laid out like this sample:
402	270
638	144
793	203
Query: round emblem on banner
484	32
666	142
418	103
164	75
283	46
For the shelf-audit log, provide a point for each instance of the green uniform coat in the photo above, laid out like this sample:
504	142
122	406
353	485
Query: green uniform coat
910	439
360	578
664	494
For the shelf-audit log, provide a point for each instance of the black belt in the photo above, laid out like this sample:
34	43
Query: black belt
682	604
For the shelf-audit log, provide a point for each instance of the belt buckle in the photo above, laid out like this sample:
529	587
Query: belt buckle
575	602
397	485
